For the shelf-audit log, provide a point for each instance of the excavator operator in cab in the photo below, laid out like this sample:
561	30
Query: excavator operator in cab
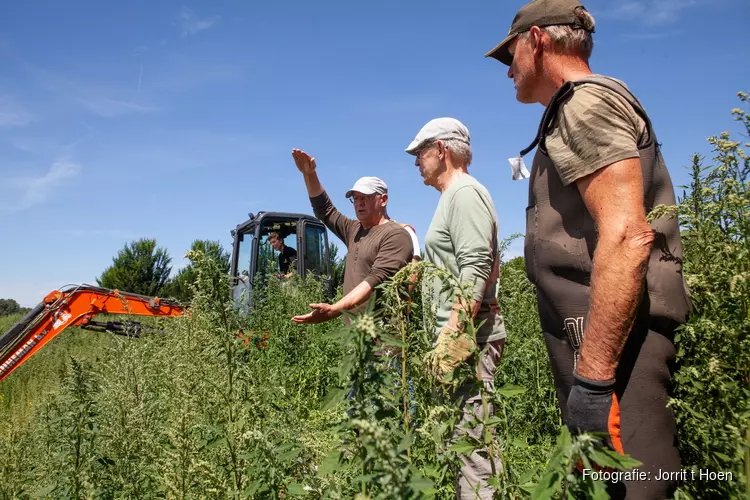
287	255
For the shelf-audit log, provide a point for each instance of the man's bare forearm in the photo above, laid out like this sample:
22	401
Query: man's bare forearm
619	270
357	296
314	188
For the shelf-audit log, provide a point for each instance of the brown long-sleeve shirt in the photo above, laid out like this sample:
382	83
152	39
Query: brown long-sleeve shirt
374	254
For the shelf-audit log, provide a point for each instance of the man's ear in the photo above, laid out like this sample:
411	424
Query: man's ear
536	37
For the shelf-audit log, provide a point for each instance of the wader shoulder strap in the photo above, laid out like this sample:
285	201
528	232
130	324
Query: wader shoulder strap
567	88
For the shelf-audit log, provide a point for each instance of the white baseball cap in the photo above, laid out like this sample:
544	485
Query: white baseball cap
368	185
439	129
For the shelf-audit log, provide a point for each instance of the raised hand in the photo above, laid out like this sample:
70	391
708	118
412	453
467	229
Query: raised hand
305	163
319	314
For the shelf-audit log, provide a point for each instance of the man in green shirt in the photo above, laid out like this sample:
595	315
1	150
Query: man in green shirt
462	238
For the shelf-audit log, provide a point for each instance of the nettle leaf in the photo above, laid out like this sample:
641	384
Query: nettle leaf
613	459
390	340
330	463
346	365
287	453
509	391
253	488
406	441
431	472
562	449
494	421
519	443
548	486
421	484
465	445
598	490
472	424
334	397
487	436
722	456
43	492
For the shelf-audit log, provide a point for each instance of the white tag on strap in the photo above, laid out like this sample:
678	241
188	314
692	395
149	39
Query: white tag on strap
519	168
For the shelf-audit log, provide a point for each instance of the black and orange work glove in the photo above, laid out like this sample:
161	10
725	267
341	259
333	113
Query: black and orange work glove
593	407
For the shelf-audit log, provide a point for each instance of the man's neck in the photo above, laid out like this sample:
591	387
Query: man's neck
562	69
447	178
375	222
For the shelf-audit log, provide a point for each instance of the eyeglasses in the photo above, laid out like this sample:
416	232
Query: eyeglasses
426	148
369	197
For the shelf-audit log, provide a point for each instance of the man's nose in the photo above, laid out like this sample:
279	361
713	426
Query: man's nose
510	71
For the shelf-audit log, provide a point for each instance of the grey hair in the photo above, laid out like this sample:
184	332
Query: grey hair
460	149
576	40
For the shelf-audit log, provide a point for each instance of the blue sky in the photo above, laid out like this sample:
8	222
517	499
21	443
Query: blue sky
173	120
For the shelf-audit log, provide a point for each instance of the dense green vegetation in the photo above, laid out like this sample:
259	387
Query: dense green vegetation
227	406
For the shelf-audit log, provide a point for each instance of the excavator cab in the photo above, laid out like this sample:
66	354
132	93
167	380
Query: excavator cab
254	259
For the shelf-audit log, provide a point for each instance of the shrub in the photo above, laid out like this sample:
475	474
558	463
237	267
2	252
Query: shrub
712	381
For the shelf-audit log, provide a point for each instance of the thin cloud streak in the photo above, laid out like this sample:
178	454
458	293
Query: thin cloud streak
97	99
659	35
33	191
190	24
647	12
108	108
13	114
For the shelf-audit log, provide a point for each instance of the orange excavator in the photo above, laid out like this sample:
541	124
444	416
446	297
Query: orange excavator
78	305
74	306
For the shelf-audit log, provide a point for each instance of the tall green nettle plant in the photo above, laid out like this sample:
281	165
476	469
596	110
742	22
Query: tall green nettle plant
712	380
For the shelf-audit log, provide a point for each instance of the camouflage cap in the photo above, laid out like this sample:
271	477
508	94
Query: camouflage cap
536	13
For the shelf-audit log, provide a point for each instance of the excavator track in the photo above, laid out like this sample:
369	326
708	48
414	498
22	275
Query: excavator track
74	305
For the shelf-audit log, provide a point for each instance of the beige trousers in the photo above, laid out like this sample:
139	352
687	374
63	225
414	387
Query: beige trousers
475	470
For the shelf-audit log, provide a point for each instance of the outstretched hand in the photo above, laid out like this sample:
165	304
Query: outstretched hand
305	163
319	314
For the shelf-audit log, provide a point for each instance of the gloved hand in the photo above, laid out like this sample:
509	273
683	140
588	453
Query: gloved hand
452	349
593	407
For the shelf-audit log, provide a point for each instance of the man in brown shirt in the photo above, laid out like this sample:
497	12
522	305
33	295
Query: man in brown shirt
377	247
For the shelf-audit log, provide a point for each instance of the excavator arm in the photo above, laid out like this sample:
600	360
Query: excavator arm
73	306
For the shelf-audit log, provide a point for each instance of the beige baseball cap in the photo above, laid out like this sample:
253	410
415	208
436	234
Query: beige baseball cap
368	185
439	129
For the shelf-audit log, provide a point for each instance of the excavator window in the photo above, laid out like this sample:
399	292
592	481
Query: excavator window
245	255
315	249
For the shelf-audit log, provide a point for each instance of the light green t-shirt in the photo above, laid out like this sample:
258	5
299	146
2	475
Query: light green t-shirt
462	238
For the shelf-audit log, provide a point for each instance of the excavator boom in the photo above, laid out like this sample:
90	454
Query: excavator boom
72	306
